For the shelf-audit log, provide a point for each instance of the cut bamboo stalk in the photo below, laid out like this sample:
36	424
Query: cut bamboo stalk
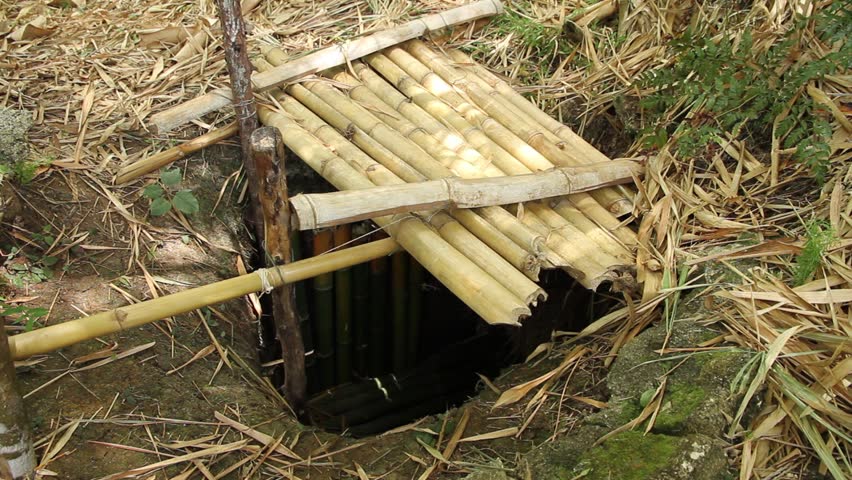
17	457
524	290
399	297
513	119
516	253
44	340
323	297
378	316
528	155
328	209
626	237
304	312
494	238
361	311
433	107
570	139
161	159
326	58
343	311
415	311
411	154
267	151
482	293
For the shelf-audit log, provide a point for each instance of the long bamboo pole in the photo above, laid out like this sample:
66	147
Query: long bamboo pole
515	120
408	69
327	58
569	138
161	159
486	232
481	292
267	151
323	297
329	209
475	250
53	337
343	311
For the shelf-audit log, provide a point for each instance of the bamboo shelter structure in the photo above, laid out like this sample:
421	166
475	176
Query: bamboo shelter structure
412	113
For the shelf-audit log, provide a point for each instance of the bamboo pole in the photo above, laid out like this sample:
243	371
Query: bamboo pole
239	70
119	319
304	312
343	310
570	140
323	289
17	458
515	249
267	152
328	209
361	312
415	311
378	316
482	256
399	297
515	120
481	292
440	89
327	58
161	159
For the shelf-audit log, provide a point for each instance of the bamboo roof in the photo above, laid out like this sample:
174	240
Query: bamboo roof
417	112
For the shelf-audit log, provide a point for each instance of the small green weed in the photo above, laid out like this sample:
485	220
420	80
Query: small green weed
21	314
24	172
726	85
820	236
165	195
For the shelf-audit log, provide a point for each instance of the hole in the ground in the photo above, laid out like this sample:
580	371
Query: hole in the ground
387	343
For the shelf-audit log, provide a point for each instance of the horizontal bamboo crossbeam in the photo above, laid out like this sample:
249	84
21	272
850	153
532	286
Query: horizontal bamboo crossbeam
50	338
328	209
326	58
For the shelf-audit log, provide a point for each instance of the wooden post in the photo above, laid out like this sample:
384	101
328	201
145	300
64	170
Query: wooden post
267	149
239	68
17	459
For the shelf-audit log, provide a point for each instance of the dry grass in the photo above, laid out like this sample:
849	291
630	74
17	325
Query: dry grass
91	73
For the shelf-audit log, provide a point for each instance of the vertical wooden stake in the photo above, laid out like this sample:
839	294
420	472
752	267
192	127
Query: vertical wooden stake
17	459
239	68
267	150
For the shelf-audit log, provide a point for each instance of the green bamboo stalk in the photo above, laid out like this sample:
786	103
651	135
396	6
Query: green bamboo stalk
415	310
324	311
303	312
378	315
399	294
343	310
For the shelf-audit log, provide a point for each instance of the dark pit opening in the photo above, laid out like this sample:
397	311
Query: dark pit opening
411	348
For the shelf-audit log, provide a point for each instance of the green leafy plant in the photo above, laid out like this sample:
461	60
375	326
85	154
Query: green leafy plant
25	171
165	195
727	85
22	315
820	236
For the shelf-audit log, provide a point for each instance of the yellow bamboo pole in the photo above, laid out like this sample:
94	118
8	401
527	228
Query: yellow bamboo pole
472	247
441	89
60	335
480	291
489	234
569	139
